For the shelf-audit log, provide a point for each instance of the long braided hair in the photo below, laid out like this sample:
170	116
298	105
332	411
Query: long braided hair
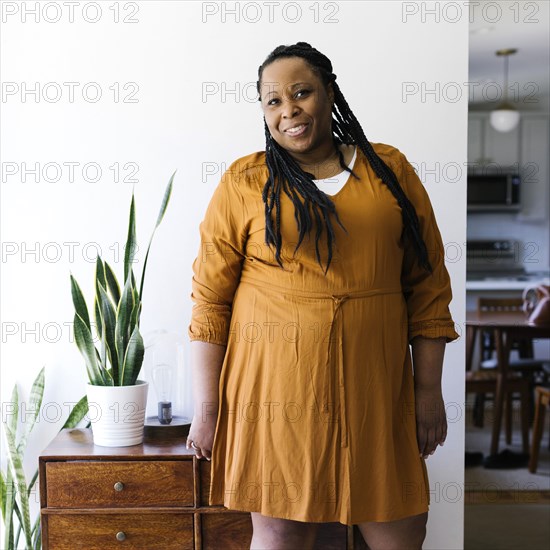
286	173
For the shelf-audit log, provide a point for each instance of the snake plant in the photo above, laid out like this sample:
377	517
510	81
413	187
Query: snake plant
15	491
117	314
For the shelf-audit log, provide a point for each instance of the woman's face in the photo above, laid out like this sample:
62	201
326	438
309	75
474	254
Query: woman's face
297	108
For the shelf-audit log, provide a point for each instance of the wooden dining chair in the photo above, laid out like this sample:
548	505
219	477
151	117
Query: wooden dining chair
524	346
520	373
485	381
542	401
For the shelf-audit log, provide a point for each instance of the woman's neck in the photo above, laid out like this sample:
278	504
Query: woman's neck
329	165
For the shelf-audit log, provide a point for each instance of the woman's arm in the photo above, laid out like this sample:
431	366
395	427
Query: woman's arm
216	275
430	325
431	420
206	361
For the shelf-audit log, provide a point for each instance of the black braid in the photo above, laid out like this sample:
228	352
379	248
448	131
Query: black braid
295	181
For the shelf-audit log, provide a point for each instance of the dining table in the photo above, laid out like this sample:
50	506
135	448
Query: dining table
506	326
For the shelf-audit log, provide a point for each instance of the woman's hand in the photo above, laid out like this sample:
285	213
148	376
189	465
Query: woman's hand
431	420
201	434
206	361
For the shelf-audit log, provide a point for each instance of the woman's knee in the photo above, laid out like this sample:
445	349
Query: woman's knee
279	533
403	534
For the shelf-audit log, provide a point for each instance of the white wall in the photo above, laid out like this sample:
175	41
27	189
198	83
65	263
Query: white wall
174	52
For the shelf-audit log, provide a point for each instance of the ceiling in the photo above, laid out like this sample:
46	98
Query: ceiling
520	24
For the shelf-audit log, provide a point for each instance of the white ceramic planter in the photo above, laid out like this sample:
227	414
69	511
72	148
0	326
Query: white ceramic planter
117	413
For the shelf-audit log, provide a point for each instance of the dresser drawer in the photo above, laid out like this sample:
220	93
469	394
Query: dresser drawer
101	531
113	484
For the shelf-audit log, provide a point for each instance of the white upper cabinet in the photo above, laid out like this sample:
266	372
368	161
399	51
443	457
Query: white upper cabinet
475	139
535	182
502	148
487	146
527	147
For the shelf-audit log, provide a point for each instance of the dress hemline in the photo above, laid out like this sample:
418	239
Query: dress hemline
348	523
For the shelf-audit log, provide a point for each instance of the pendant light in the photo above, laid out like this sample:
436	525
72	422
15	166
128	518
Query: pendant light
505	117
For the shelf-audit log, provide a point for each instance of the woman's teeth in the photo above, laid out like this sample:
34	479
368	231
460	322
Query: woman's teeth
296	131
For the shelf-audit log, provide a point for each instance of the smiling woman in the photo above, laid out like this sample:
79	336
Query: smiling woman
302	363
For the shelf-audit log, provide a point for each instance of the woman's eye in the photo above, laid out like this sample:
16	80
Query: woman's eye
299	94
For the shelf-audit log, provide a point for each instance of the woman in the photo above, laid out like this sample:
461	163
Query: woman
305	398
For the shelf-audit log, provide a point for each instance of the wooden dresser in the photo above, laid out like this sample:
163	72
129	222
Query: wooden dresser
152	496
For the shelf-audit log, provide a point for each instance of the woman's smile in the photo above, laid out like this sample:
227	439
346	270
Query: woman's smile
297	131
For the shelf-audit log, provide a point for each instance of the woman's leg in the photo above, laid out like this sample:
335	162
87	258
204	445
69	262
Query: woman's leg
281	534
403	534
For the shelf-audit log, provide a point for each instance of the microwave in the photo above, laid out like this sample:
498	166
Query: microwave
494	192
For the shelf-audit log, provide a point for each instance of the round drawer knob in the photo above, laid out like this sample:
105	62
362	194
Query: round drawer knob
118	487
120	535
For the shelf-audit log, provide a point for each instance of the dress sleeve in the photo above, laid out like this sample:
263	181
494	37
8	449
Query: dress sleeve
217	267
428	295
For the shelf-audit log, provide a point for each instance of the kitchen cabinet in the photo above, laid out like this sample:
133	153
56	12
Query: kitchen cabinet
486	146
502	148
535	149
526	147
152	495
476	134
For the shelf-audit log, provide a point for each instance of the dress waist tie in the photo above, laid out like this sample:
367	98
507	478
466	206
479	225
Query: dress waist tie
335	339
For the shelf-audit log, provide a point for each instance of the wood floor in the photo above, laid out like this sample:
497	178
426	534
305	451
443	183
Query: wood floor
507	527
510	510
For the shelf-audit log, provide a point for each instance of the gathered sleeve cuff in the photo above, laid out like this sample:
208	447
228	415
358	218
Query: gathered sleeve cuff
437	328
427	295
218	265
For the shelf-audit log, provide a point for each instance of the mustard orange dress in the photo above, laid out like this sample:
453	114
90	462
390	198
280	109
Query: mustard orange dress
316	419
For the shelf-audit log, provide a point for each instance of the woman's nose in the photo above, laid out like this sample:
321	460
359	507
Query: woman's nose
290	109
